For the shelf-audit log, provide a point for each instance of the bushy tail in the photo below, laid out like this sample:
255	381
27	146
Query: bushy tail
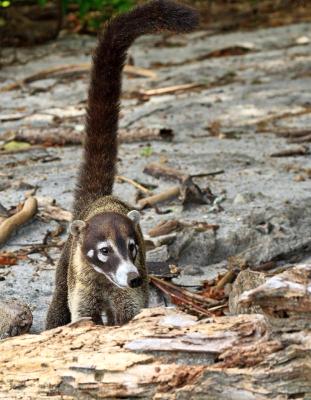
100	149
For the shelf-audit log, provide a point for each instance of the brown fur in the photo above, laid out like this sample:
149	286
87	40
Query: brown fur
80	290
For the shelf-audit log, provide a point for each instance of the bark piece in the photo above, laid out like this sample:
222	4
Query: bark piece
160	354
288	292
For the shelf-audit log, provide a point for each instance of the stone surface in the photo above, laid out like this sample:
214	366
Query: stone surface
249	97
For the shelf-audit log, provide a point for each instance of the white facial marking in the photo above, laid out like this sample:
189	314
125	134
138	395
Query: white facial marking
101	245
102	257
90	253
124	268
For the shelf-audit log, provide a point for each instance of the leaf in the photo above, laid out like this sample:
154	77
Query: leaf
15	145
8	259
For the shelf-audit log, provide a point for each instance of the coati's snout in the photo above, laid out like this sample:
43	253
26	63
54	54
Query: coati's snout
110	245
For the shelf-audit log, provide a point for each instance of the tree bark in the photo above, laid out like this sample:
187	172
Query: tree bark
166	354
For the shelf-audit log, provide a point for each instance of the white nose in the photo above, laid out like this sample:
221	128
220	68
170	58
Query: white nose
126	274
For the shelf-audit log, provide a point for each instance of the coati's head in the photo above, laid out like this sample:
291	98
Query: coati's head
110	244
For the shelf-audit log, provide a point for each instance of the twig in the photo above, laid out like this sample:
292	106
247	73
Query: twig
227	278
159	171
145	134
170	89
265	266
158	198
21	217
301	139
298	151
134	183
184	297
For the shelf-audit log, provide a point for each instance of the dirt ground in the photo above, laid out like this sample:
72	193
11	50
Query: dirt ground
250	102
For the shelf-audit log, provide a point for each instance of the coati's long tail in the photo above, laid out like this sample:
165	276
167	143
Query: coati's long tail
98	168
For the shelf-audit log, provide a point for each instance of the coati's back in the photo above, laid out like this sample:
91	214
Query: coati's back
105	234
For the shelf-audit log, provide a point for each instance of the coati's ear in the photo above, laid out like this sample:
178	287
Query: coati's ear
134	215
77	227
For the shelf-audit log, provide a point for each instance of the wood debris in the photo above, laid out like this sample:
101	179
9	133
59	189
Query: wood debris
292	152
53	136
155	199
13	223
288	292
244	354
171	89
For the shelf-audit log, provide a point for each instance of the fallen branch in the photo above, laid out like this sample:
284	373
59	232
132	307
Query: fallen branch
11	224
151	201
163	171
69	136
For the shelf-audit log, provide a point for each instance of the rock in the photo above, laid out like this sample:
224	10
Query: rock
243	198
158	254
246	280
15	318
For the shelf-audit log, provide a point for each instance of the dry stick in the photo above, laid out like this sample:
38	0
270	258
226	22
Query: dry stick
265	266
301	139
170	89
134	183
80	68
21	217
290	133
202	299
184	297
227	278
159	170
158	198
143	134
298	151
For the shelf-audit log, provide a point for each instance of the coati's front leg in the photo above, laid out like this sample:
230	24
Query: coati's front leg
58	313
85	303
125	304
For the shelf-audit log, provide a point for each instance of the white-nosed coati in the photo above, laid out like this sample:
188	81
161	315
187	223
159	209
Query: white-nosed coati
102	266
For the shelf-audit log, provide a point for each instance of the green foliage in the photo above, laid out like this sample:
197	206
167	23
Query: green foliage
146	151
86	6
5	3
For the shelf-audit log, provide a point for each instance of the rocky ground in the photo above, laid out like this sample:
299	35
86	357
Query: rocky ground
252	100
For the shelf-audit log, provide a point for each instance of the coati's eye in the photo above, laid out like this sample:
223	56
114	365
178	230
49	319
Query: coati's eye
104	251
132	248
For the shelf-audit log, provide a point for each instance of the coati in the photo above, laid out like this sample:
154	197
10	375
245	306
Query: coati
102	266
